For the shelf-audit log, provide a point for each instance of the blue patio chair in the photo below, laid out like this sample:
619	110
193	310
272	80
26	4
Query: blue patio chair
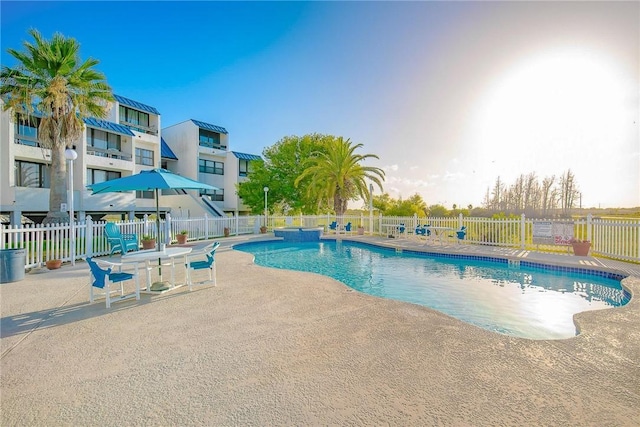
423	230
333	226
347	227
118	241
401	228
194	261
104	278
460	234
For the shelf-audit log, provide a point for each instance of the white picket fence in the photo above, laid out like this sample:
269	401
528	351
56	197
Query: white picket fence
611	238
618	239
53	241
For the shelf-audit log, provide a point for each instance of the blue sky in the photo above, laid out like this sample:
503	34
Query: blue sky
449	95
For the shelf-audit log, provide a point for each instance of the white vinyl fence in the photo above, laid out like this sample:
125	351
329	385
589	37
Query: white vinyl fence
612	238
46	242
618	239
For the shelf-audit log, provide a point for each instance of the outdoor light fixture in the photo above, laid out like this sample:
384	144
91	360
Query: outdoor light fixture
266	190
70	154
371	208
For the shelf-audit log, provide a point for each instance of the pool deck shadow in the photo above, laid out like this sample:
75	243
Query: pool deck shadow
277	347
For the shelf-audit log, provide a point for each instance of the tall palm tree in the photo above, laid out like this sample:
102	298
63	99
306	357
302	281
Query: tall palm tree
50	81
338	175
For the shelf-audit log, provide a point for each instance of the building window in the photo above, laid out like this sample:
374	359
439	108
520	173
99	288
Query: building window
145	194
215	195
245	167
34	175
133	118
96	176
102	140
26	130
144	157
209	139
209	166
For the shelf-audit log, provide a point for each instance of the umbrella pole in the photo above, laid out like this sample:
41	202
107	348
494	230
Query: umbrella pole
162	285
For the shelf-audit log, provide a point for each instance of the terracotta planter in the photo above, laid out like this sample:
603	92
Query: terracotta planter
263	229
182	238
581	248
149	244
54	264
361	230
226	232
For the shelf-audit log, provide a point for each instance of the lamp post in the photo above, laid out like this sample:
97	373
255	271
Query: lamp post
371	208
70	154
266	190
237	212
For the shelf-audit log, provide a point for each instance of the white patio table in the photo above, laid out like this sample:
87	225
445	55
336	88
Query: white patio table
440	231
392	230
151	255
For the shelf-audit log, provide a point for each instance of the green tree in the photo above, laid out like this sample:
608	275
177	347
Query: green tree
283	163
438	211
50	79
337	175
383	202
414	205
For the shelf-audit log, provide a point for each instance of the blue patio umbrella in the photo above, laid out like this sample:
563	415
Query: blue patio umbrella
150	180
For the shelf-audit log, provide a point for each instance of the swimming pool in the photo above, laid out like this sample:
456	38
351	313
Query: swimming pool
528	301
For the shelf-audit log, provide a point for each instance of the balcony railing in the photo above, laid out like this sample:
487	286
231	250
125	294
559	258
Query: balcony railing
111	153
213	146
151	130
26	140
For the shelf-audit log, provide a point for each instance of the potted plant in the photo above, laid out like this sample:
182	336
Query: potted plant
263	229
182	237
226	231
580	247
148	242
360	229
53	264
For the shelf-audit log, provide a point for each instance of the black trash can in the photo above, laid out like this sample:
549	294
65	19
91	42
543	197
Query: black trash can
12	263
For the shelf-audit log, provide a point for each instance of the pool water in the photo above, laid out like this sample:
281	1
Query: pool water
522	301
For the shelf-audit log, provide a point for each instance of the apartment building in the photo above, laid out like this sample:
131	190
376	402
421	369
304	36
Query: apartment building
205	157
129	140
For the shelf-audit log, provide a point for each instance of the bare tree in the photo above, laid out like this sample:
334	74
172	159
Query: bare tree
517	194
568	191
531	193
532	197
498	196
546	194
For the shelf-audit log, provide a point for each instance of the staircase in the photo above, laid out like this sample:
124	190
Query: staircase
211	207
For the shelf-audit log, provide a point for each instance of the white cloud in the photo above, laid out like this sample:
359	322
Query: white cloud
452	176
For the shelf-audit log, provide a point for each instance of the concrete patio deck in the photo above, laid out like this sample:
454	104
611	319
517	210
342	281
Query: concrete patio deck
275	347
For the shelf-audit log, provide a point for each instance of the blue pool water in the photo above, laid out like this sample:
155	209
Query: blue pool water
530	302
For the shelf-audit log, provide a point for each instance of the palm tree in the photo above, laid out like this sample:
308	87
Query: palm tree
338	175
50	81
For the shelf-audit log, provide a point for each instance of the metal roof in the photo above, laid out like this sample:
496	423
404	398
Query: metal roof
165	150
245	156
135	104
110	126
208	126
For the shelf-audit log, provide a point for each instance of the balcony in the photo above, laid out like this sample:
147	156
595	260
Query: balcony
111	153
27	140
212	146
151	130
